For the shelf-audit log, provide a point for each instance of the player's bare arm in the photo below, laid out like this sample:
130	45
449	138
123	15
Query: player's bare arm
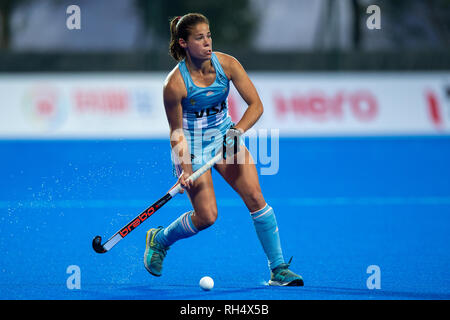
173	93
237	74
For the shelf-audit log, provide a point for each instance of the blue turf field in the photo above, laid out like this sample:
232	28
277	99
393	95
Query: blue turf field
342	204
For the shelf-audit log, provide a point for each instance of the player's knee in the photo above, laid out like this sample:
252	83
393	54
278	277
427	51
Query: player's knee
254	199
208	218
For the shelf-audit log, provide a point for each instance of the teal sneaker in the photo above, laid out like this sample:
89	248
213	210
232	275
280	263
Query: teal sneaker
282	276
154	253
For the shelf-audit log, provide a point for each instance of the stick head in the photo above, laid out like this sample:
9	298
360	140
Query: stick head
97	245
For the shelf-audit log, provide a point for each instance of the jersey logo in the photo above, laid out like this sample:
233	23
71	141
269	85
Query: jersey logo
209	93
211	111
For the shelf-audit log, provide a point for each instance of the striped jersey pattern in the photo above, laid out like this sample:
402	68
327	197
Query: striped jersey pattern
205	107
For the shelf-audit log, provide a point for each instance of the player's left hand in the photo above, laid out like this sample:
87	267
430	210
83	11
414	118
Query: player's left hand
231	142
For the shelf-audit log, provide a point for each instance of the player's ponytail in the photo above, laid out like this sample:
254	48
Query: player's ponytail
180	29
175	50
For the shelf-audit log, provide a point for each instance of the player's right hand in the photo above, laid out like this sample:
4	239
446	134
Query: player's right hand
183	180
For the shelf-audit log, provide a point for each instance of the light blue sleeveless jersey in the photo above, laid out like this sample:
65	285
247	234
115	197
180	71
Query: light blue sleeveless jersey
205	115
205	108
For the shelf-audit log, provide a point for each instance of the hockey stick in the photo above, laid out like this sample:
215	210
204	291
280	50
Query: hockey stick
133	224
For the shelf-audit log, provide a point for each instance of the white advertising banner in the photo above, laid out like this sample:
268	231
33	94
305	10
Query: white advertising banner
118	105
352	104
82	106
